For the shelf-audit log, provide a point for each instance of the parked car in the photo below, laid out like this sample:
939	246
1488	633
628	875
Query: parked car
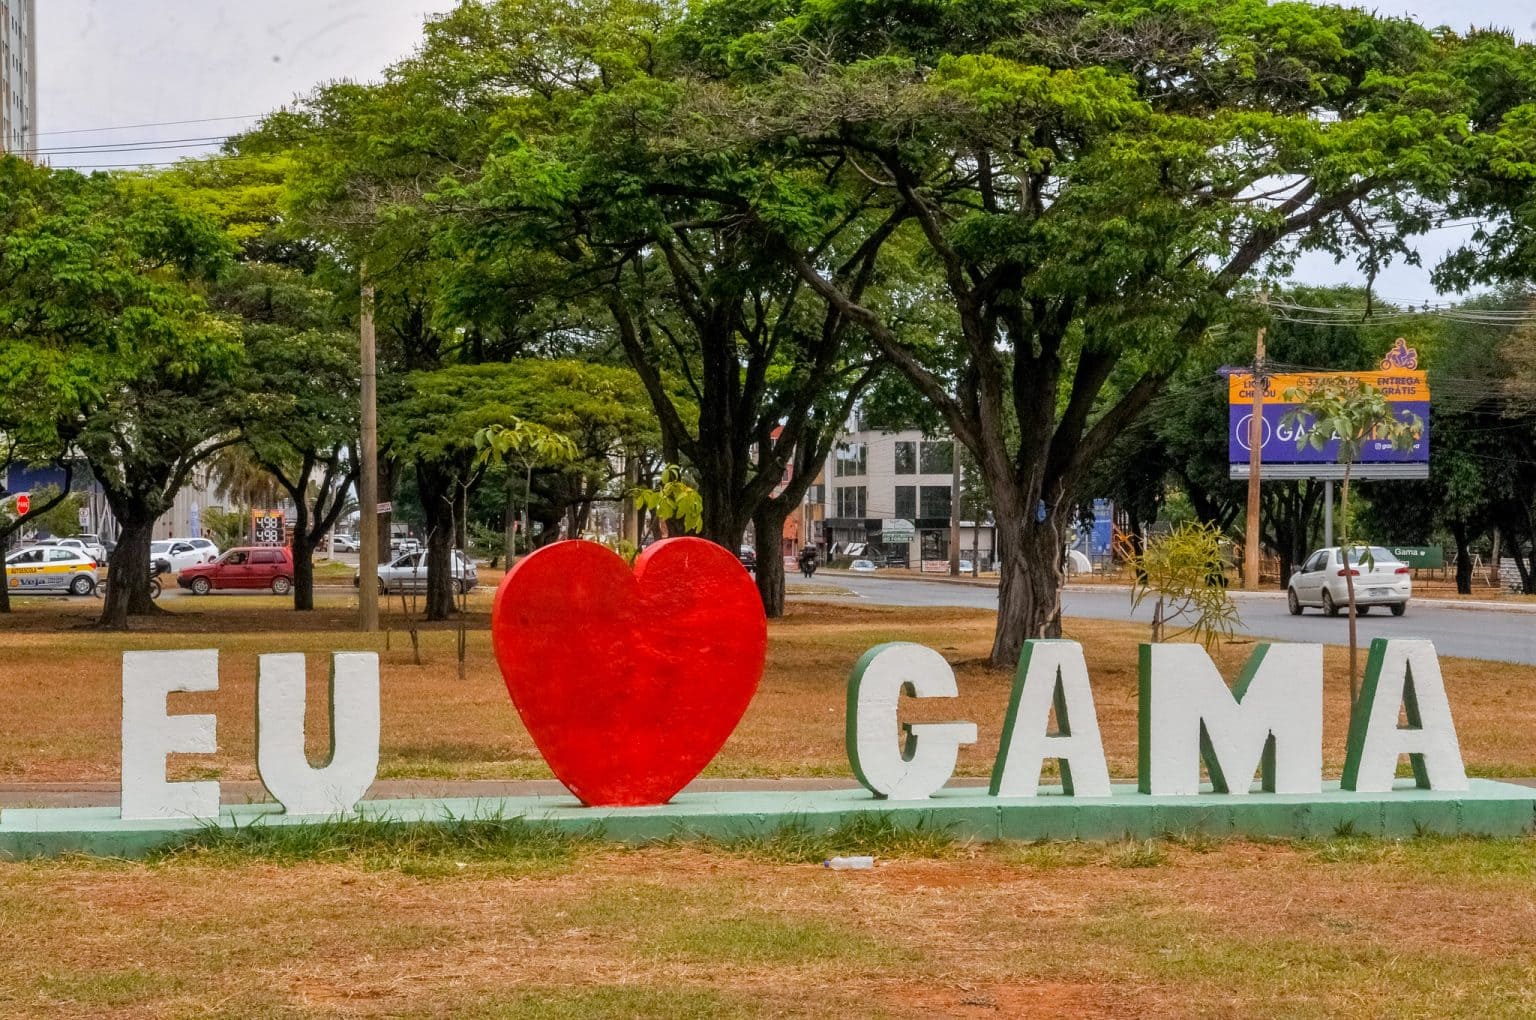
175	555
1380	579
94	547
249	568
404	545
51	569
409	573
76	544
205	547
748	558
346	544
863	566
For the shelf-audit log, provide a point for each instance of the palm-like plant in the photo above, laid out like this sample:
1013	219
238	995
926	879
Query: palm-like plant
1353	412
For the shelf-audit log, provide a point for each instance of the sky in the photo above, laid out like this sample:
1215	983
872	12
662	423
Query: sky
113	74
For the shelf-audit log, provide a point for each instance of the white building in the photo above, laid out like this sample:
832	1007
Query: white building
18	76
891	494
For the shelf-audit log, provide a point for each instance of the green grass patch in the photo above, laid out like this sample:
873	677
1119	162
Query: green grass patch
419	848
758	938
106	988
877	835
638	1001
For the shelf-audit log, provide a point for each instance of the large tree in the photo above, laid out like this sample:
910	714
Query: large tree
103	321
573	193
434	423
1091	182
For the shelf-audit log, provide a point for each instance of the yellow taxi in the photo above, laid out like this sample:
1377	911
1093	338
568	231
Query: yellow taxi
50	569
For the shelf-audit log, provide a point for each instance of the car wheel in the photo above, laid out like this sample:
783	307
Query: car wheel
82	585
1399	608
1362	610
1292	602
281	586
463	587
201	586
383	588
1329	608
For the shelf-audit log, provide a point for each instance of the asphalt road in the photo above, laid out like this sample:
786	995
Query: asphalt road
1500	634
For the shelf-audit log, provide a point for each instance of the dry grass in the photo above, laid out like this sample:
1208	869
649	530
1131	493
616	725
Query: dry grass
1430	928
60	692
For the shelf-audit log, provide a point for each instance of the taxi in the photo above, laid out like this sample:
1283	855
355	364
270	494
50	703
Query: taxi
50	569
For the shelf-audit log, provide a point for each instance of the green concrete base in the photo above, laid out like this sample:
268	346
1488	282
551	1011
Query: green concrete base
1487	809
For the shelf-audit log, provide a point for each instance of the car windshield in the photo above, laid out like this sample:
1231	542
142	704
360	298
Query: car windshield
159	547
1378	554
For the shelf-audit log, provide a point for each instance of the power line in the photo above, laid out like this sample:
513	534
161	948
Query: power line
161	123
148	143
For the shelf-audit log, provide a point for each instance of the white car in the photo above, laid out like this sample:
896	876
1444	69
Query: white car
51	568
204	546
409	573
346	544
863	566
179	554
1380	579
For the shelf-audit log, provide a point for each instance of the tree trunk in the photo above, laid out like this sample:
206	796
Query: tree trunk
128	572
768	537
386	494
723	523
5	585
436	486
461	517
509	520
303	559
1463	559
1029	591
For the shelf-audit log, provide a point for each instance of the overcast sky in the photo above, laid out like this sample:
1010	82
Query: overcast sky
108	66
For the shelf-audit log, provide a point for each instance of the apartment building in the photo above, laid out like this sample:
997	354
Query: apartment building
889	495
18	76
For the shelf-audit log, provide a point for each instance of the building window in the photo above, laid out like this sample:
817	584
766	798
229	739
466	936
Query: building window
938	458
852	461
850	501
906	501
935	501
906	459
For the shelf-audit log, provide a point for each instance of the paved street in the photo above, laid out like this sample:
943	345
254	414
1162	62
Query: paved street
1505	635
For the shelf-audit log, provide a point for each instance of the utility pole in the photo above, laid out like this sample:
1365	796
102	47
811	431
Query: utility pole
1255	461
368	476
954	511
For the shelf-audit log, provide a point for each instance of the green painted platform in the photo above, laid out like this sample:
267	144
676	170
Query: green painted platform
1487	809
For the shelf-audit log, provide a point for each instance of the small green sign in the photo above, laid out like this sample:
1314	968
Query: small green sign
1419	555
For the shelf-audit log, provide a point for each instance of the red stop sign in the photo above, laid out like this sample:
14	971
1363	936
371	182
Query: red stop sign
23	504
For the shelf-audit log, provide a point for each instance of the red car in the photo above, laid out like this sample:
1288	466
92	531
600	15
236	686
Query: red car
245	569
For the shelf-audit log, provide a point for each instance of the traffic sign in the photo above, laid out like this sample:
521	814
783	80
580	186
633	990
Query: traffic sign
386	508
23	504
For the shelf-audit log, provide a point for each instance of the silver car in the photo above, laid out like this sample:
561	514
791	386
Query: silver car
409	573
1380	579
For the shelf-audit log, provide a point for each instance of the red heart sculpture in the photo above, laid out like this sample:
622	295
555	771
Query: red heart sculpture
629	683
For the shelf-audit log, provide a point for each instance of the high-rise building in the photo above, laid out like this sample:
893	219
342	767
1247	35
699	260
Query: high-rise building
18	76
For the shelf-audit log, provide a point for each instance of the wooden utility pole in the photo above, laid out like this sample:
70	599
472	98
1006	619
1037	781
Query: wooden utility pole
954	511
368	476
1255	460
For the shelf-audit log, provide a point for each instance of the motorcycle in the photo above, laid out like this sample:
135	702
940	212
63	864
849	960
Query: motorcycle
155	586
808	568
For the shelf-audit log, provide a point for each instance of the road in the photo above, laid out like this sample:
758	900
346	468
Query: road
1503	635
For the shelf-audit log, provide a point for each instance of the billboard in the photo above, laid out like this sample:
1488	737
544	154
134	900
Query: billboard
1406	389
